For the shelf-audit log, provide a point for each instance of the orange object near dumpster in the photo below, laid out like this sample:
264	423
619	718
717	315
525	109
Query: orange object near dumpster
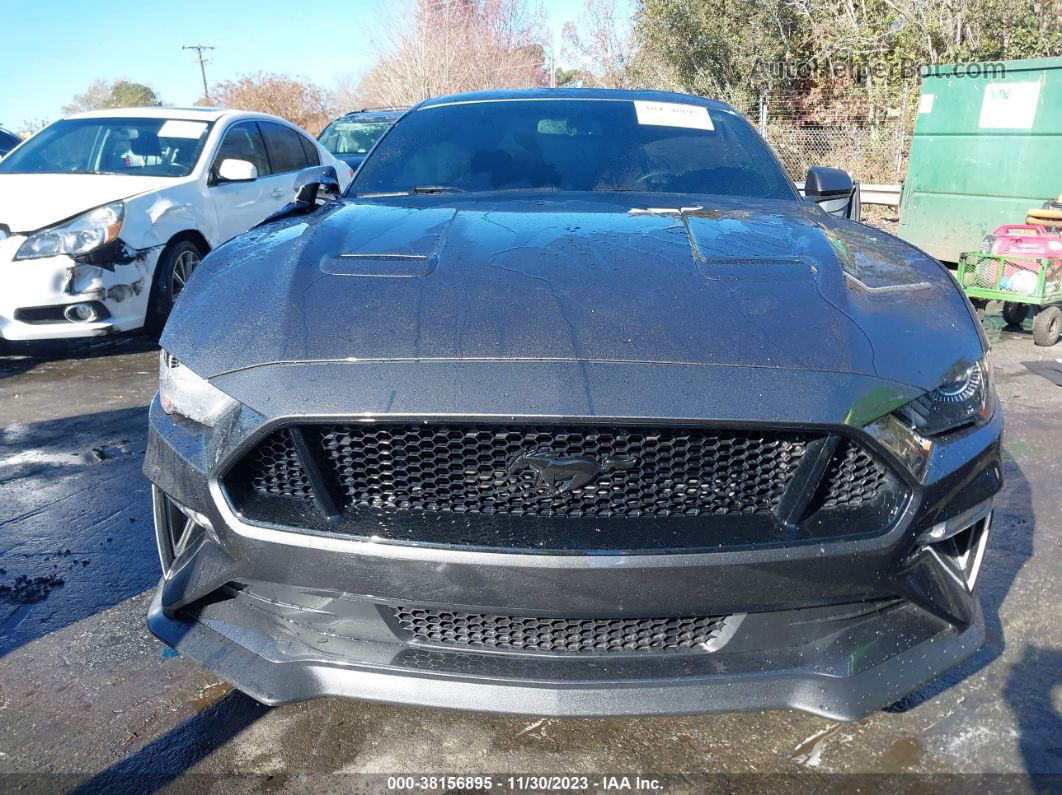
1050	215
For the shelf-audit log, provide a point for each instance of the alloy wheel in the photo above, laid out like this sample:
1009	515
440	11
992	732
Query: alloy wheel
183	266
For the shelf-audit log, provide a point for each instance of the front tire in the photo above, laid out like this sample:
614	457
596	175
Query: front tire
174	268
1047	326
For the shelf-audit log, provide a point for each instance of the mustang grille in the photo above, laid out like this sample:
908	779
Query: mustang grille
398	476
557	635
469	469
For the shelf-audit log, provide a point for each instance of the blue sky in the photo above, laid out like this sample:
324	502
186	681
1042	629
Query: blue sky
52	49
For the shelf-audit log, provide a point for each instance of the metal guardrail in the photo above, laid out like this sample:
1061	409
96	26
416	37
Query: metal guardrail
887	195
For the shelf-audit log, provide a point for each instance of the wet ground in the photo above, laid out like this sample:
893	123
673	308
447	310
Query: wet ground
89	698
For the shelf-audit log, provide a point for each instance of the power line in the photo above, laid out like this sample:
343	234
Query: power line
202	61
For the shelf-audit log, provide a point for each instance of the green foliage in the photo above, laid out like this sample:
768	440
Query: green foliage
125	94
112	94
569	77
717	47
832	52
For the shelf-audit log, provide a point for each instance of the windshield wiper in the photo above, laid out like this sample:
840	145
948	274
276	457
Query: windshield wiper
530	189
428	189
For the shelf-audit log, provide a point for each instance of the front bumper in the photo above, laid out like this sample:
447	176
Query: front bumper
838	628
844	669
29	288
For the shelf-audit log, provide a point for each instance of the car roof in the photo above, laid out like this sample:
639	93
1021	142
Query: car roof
574	93
196	114
374	114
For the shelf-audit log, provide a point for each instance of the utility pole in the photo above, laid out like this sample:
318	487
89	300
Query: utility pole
199	59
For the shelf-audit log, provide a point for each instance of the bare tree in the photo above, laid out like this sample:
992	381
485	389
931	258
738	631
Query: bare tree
435	47
299	101
601	43
31	127
345	93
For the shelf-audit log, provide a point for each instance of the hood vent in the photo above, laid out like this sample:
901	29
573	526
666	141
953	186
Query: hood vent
394	266
756	269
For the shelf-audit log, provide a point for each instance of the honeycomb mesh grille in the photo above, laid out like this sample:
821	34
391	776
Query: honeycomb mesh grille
511	470
484	469
852	479
273	468
557	635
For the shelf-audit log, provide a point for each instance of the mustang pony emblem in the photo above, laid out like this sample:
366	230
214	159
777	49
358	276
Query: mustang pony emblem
566	473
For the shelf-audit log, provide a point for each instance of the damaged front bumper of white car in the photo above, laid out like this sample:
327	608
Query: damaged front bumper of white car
69	297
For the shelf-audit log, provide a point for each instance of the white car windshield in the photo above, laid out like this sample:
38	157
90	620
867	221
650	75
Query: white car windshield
137	147
343	137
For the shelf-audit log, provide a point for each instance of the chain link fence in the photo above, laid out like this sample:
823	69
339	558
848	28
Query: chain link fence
872	151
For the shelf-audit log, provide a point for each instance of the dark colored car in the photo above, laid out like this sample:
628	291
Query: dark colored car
572	406
351	136
8	141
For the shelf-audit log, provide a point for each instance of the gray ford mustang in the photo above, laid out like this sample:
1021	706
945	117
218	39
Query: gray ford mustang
572	405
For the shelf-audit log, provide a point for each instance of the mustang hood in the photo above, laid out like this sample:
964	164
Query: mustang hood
29	202
600	277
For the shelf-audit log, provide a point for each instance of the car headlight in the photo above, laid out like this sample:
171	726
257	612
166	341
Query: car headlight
183	392
963	400
82	235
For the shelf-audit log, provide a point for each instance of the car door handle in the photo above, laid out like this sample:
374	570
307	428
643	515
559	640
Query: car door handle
279	193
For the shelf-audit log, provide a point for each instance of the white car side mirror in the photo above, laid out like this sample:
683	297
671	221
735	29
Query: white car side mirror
232	170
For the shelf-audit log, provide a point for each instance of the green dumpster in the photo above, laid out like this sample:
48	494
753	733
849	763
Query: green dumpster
987	146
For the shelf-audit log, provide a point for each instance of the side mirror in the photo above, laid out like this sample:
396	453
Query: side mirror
827	182
316	182
311	184
834	191
233	170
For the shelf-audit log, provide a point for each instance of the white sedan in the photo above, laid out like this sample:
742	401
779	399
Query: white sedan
104	215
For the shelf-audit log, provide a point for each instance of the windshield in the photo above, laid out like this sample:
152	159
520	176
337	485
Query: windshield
343	137
138	147
8	141
573	145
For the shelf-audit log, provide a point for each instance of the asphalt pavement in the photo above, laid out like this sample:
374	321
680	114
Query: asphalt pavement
90	700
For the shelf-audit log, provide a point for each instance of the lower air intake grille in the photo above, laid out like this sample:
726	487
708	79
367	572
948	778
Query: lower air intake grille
557	635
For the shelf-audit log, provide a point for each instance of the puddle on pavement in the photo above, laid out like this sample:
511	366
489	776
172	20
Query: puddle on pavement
14	618
109	451
902	756
996	330
19	593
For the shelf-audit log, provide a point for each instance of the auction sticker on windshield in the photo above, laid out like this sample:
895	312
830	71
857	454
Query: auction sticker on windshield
178	128
673	114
